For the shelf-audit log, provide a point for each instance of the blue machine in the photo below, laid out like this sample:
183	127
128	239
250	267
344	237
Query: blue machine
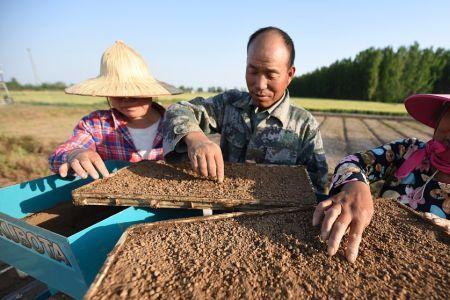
66	264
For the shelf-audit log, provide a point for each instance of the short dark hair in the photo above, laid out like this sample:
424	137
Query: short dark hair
287	41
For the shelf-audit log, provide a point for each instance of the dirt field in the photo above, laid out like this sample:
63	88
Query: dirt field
278	256
343	135
48	126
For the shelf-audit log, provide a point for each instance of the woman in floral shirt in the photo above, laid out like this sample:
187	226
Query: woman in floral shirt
416	173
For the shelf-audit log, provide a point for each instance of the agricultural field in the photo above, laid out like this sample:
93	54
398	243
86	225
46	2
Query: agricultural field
40	120
328	105
343	135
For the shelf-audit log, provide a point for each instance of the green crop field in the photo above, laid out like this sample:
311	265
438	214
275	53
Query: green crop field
325	105
350	106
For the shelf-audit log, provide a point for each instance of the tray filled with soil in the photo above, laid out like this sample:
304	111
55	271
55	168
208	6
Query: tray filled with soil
158	184
276	254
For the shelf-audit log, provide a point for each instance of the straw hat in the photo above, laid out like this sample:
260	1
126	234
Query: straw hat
123	73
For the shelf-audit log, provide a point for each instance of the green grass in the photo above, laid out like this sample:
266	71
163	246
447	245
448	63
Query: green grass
351	106
321	105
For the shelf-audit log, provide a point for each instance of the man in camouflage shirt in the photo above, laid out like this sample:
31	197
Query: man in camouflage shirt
260	126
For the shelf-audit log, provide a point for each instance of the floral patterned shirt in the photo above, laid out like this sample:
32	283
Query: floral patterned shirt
381	164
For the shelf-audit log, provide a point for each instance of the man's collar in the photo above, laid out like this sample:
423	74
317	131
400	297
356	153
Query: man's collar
273	107
281	109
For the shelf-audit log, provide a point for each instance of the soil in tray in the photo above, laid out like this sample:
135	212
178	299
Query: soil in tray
67	219
242	182
279	256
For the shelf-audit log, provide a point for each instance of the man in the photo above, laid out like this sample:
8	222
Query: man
260	126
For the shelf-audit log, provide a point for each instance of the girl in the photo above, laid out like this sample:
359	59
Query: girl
131	130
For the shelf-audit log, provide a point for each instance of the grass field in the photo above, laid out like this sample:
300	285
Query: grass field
325	105
40	120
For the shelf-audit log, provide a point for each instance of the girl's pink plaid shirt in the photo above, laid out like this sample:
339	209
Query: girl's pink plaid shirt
105	132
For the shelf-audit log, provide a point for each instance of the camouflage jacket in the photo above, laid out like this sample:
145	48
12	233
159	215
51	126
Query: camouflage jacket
284	134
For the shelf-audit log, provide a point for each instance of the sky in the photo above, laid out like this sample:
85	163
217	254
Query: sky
203	43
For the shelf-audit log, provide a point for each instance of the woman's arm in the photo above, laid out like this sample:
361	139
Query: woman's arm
350	205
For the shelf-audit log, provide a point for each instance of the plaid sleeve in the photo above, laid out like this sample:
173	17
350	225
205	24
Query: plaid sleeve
81	138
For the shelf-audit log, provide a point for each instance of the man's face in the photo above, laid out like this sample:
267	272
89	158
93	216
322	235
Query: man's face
268	73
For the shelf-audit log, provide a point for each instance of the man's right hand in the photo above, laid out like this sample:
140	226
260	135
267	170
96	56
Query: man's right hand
205	156
84	162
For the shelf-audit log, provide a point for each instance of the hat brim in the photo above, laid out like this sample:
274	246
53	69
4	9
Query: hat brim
104	87
426	108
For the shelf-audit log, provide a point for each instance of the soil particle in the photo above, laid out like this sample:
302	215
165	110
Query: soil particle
243	183
280	256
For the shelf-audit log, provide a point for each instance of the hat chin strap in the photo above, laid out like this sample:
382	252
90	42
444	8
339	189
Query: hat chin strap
418	194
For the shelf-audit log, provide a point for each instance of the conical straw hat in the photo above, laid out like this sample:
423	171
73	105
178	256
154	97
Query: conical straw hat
123	73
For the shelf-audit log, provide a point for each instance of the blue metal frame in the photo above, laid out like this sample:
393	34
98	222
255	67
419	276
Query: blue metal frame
68	264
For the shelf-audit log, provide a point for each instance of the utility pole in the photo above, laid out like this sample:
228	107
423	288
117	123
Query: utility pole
6	99
36	77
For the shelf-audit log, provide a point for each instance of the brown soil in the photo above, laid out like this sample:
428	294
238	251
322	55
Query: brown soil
427	131
409	131
384	133
157	184
47	123
277	256
332	131
67	219
359	136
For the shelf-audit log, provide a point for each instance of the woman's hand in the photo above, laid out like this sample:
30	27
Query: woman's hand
84	162
351	209
441	222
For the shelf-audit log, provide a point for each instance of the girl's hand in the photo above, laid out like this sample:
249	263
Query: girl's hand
84	162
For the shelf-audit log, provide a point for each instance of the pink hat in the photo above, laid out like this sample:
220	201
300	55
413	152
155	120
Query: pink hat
426	108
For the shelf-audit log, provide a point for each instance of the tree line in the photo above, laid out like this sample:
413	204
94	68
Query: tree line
15	85
382	75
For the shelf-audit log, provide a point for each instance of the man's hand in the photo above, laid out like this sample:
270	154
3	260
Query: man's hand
205	156
84	162
441	222
351	209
